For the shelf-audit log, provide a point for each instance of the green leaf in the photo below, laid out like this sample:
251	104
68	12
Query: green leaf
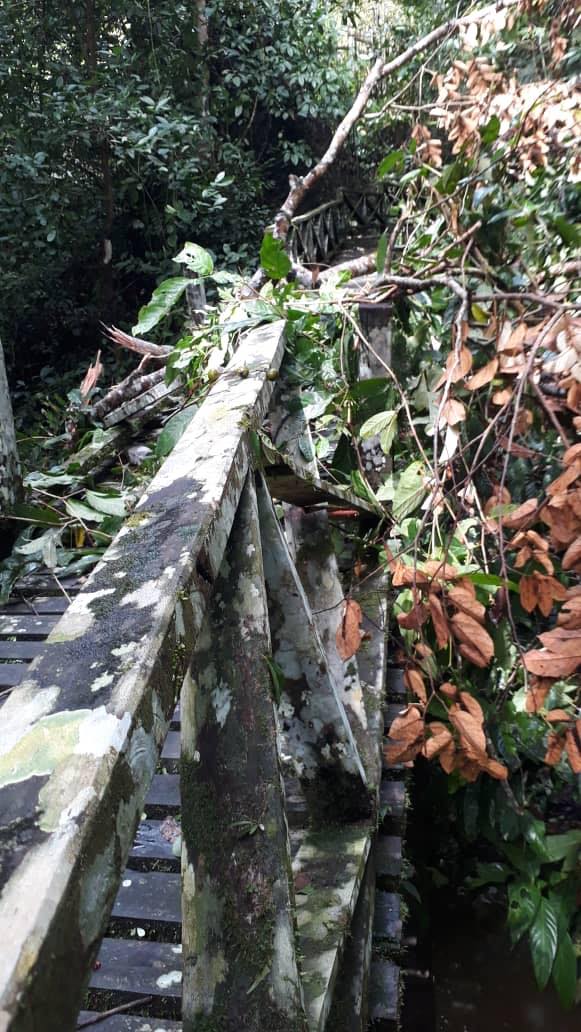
543	938
565	971
384	424
534	833
36	545
196	258
173	430
363	490
162	301
110	504
409	491
568	231
394	162
48	479
523	902
491	581
276	677
36	514
489	874
557	846
83	512
478	313
489	132
273	258
381	252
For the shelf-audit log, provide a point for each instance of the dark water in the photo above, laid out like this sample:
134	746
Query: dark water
480	984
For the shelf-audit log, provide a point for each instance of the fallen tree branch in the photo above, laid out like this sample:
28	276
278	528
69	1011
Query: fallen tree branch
142	347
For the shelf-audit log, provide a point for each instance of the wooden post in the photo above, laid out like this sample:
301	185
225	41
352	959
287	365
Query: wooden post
238	935
10	480
375	323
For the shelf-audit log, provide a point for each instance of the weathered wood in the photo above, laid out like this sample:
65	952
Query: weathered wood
328	870
136	967
10	477
27	627
81	735
239	953
290	487
163	796
148	898
349	1010
309	536
48	606
315	730
127	1023
11	674
384	995
158	842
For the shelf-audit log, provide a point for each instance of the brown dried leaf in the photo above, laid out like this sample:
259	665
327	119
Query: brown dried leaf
555	746
502	397
537	694
447	757
405	736
449	690
528	589
520	517
546	663
415	618
572	557
414	683
439	620
464	600
472	737
477	645
348	637
472	705
573	752
554	715
453	412
441	736
496	770
457	367
565	479
482	376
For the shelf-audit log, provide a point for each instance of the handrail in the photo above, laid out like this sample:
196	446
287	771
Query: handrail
81	736
317	235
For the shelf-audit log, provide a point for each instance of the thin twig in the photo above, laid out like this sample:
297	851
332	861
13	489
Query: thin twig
98	1018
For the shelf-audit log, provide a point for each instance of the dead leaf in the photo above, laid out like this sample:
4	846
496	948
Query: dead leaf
457	367
348	637
496	770
449	690
472	737
472	705
537	694
502	397
573	752
441	737
439	620
414	683
546	663
465	601
520	517
405	737
482	376
555	746
453	412
476	643
415	618
554	715
572	558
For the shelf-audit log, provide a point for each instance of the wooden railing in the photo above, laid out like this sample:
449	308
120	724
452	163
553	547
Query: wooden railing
318	235
201	595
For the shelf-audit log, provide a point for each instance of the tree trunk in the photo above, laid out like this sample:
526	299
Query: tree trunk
10	480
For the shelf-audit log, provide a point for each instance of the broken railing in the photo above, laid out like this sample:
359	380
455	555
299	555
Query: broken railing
200	592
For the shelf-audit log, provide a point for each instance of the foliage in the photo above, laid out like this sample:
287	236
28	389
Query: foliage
122	131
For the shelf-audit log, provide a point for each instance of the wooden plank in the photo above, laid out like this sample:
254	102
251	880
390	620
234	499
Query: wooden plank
11	674
164	795
28	626
314	726
387	921
349	1010
126	1023
149	898
328	870
238	936
170	754
384	995
156	842
23	650
289	486
79	745
44	605
136	967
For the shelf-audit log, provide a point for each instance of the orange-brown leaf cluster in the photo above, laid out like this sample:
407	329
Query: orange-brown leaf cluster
349	634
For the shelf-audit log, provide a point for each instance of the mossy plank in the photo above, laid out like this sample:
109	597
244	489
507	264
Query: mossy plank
82	733
238	935
328	869
316	734
349	1010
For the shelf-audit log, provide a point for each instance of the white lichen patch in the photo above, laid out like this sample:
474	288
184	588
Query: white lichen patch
170	978
23	708
126	650
102	681
101	731
222	702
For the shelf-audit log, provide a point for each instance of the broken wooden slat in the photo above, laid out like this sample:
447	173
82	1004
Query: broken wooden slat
42	606
239	953
309	536
290	487
316	731
328	870
81	734
350	998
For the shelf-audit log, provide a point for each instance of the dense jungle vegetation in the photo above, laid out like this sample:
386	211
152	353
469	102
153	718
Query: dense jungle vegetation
134	134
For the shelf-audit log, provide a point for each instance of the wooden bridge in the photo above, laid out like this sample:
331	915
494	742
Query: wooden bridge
196	829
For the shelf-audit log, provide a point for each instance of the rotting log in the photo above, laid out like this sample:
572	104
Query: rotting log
81	735
238	935
315	731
